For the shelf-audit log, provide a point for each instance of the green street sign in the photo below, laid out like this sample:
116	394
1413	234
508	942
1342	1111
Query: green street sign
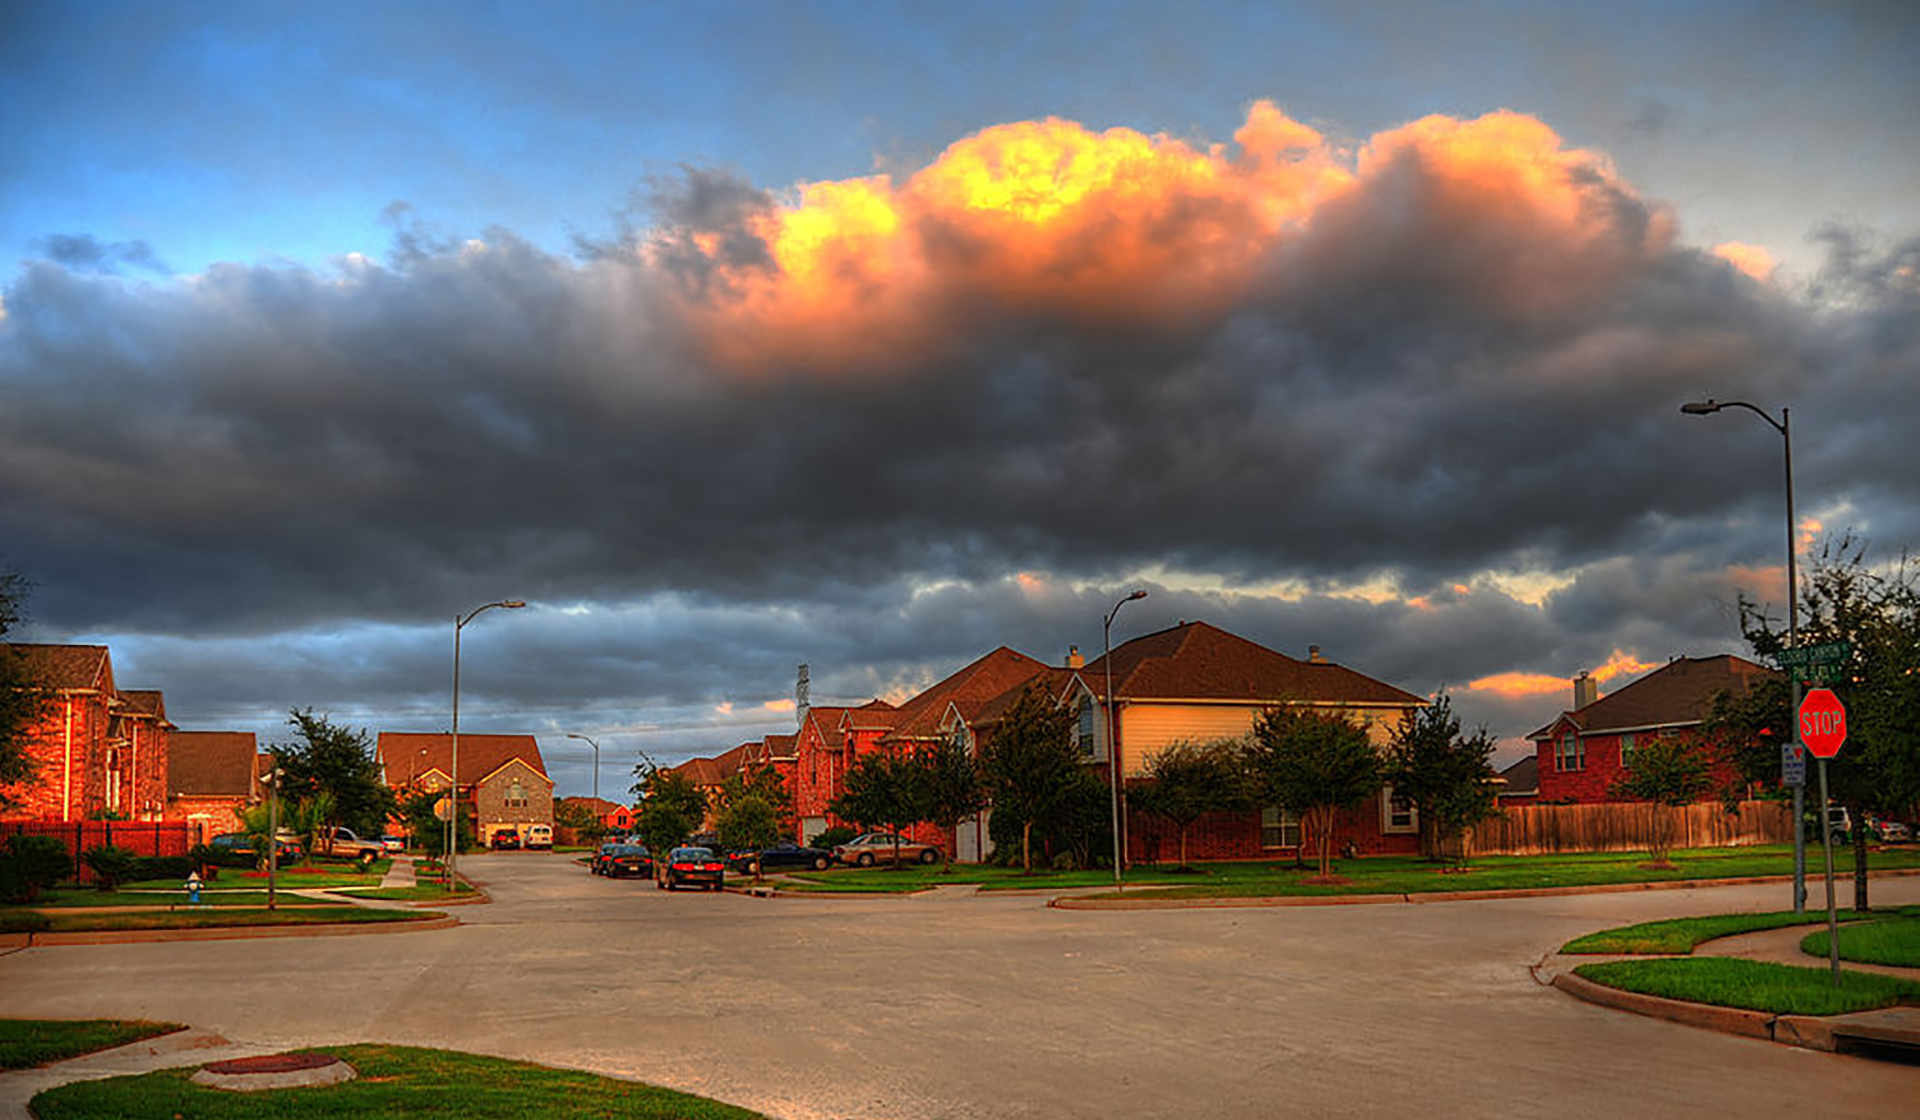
1823	673
1826	653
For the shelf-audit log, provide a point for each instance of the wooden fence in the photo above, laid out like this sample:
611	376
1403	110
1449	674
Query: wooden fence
1627	827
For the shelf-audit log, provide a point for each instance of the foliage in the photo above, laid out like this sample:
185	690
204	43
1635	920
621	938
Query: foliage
428	831
32	1042
763	782
838	834
308	819
111	865
1188	780
671	809
951	788
1313	764
30	864
578	817
1447	776
1031	764
338	761
1876	611
161	867
882	790
749	821
22	701
1665	773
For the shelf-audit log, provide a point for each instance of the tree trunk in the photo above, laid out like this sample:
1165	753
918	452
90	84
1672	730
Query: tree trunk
1026	848
1323	838
1183	846
1860	864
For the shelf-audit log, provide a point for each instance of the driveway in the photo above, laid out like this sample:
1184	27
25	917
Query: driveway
954	1005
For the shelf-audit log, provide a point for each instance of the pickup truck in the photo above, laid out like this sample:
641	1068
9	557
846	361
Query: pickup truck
343	843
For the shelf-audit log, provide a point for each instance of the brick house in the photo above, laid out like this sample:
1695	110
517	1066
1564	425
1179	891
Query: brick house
96	750
212	777
1196	682
823	749
611	815
1583	752
503	779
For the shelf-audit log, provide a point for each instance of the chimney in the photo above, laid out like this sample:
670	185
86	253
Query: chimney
1313	655
1074	660
1585	690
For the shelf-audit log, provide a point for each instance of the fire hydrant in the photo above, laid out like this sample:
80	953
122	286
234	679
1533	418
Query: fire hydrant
193	887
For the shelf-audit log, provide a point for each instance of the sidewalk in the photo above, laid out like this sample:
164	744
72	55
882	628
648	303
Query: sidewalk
181	1048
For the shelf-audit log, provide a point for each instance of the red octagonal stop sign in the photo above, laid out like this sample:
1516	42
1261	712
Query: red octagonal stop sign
1823	722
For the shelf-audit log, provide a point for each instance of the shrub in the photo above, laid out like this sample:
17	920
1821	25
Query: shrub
162	867
31	864
111	865
838	834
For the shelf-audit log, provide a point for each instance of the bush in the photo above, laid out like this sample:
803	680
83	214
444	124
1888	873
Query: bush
838	834
162	867
30	864
111	865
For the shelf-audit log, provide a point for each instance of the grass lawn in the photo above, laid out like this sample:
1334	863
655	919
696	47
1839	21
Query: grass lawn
1372	875
1756	985
82	921
394	1081
30	1042
66	897
1680	935
1892	940
419	892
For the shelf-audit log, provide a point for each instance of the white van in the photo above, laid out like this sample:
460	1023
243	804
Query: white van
539	836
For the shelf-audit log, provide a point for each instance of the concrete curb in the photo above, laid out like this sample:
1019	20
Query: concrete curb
1891	1026
218	933
1728	1020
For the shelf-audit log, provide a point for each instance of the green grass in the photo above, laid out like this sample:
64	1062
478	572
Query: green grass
82	921
69	897
394	1081
1892	940
1681	935
1372	875
1779	989
419	892
31	1042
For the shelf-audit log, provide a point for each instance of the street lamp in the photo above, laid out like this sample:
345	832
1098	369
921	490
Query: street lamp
596	762
1113	744
1784	426
453	804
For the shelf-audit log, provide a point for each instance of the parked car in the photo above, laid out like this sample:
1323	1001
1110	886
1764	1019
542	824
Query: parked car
393	845
539	836
786	853
629	860
870	848
505	839
240	844
344	843
1889	832
693	866
598	864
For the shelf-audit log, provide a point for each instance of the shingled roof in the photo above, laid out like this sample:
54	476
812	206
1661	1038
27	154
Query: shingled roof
406	755
146	702
1678	694
991	675
68	668
1196	661
211	763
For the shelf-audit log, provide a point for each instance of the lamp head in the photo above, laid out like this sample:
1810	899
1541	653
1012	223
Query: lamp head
514	604
1701	408
1137	595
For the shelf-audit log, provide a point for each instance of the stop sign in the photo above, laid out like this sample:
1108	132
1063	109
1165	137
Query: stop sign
1823	722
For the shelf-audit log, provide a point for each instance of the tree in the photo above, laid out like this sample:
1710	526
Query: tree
670	809
577	817
951	789
1665	773
22	701
1447	776
1877	612
1030	764
429	832
1314	764
751	822
881	789
339	761
307	819
1188	780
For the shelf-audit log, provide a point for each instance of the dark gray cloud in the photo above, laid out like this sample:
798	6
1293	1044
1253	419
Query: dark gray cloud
86	253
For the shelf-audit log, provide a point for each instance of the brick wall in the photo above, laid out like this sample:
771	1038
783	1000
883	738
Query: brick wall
491	811
206	816
66	746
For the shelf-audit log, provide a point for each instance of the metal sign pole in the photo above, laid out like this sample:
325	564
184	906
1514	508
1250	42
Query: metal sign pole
1833	920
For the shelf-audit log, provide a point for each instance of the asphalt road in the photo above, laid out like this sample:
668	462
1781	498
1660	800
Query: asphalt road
955	1005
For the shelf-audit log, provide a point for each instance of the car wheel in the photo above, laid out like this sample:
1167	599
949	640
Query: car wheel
671	885
865	860
820	863
929	856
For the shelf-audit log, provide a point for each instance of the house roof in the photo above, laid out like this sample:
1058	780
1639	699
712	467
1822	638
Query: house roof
211	763
1197	661
406	755
1678	694
987	677
1522	778
980	715
779	747
146	702
598	806
66	667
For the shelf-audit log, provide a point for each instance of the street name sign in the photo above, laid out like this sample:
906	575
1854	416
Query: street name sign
1826	653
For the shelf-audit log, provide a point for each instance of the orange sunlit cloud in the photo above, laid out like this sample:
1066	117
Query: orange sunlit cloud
1753	260
1050	218
1516	685
779	705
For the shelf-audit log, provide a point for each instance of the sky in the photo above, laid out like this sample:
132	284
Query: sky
735	336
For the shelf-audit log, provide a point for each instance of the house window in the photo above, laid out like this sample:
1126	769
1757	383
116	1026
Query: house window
1087	744
516	795
1279	828
1572	753
1626	749
1397	814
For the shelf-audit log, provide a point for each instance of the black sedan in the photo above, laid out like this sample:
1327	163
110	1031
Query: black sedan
629	860
693	866
598	864
784	854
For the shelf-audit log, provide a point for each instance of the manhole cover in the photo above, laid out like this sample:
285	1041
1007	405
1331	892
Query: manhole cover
274	1071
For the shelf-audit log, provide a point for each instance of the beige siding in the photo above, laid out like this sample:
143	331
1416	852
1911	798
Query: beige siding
1147	729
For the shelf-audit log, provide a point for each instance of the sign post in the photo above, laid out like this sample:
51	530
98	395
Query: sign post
1820	662
1822	722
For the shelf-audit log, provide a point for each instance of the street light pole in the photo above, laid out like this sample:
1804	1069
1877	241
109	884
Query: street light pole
1784	426
1113	744
596	761
453	802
